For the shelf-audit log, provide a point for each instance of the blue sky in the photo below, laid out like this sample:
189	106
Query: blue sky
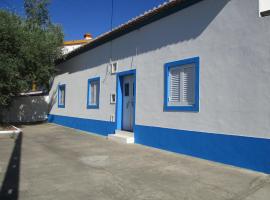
81	16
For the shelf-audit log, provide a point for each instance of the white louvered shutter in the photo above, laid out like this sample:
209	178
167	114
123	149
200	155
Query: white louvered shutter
188	79
93	93
182	85
174	85
62	96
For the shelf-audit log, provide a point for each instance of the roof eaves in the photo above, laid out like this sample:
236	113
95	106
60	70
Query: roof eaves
75	42
148	17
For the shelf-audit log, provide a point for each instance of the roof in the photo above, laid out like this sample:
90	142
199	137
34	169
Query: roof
148	17
75	42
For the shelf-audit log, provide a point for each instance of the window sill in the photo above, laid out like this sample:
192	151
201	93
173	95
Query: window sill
194	108
92	106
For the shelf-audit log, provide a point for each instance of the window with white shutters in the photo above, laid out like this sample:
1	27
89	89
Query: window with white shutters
61	95
181	85
93	93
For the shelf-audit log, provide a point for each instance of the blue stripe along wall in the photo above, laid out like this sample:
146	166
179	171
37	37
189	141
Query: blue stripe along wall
246	152
95	126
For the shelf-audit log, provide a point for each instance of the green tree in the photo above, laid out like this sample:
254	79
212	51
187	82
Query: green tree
11	57
28	49
37	12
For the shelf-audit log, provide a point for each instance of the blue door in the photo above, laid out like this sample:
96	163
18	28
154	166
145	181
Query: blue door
128	103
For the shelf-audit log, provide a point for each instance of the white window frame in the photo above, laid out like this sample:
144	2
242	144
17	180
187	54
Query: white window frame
181	71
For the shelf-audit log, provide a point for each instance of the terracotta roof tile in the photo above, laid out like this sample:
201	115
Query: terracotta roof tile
75	42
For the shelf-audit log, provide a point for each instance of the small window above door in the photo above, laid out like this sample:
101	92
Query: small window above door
61	96
264	6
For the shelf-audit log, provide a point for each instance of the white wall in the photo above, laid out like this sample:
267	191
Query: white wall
69	48
26	109
232	42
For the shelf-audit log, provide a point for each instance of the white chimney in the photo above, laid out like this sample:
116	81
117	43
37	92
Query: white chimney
87	36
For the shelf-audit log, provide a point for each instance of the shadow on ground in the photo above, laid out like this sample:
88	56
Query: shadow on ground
10	185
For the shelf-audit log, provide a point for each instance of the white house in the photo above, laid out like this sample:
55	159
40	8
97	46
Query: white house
190	76
71	45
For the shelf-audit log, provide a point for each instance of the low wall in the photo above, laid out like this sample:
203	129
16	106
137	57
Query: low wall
26	109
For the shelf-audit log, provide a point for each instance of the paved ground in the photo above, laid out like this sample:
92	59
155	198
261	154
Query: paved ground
52	162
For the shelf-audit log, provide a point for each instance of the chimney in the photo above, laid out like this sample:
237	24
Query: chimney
87	36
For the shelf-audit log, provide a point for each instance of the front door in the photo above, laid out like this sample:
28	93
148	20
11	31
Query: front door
128	103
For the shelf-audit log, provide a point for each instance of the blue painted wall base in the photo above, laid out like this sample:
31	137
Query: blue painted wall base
95	126
245	152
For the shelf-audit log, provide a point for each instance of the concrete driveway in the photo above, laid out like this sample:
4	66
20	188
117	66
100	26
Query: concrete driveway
52	162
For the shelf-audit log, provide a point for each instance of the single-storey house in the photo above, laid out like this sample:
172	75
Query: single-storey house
190	76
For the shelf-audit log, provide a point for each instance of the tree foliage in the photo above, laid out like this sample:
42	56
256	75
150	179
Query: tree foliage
28	48
37	12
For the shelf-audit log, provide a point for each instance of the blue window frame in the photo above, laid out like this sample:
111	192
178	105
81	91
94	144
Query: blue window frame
181	85
93	90
61	96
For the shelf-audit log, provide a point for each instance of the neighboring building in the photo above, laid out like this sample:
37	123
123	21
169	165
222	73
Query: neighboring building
189	76
69	46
